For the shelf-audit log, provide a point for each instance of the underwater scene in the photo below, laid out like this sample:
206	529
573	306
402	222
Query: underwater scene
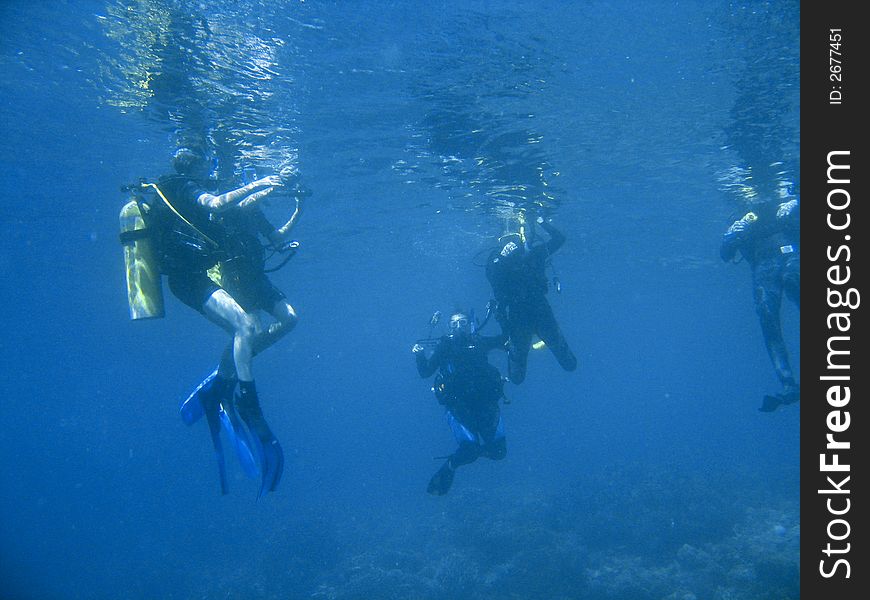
395	300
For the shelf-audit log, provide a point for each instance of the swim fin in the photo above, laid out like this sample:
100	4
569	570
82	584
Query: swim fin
272	461
771	402
239	438
268	448
441	480
210	409
192	408
213	397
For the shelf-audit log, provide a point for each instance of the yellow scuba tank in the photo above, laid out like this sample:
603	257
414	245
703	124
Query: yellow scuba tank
144	286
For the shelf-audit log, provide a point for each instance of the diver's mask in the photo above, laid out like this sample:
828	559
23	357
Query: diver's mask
459	323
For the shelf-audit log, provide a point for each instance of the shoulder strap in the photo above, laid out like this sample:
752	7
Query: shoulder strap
178	214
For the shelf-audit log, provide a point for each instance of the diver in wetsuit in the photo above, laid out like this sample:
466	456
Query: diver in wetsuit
242	272
519	282
469	387
768	237
193	241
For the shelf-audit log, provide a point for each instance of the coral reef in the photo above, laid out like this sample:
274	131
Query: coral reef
656	537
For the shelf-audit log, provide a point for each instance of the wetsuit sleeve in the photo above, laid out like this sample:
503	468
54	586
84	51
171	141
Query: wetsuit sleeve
182	194
181	190
557	238
426	366
192	191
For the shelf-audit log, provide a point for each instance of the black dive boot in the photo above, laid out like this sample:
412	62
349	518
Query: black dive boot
271	454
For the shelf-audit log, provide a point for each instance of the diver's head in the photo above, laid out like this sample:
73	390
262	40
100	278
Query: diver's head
459	323
192	162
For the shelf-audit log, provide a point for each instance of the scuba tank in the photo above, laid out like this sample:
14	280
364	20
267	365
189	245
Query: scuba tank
144	286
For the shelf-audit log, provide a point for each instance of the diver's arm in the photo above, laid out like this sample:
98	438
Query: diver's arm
236	196
426	366
278	236
557	238
788	216
254	198
732	240
787	209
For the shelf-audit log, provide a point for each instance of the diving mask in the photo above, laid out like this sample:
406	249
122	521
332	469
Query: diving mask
458	322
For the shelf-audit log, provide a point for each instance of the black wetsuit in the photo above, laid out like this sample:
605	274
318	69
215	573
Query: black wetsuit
187	252
243	271
469	387
519	283
771	246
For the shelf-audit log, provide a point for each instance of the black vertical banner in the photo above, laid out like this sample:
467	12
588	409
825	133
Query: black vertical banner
834	367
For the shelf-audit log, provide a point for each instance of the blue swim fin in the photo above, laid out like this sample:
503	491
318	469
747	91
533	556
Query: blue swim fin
277	464
239	438
192	408
441	480
266	446
213	398
214	427
271	457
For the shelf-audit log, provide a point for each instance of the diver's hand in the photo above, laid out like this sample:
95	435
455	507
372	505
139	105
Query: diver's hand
737	227
271	181
785	208
416	348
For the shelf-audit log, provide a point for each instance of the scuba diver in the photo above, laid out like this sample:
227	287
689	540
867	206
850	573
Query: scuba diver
516	272
469	388
209	249
768	237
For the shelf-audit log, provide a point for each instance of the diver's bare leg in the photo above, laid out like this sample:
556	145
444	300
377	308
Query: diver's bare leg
222	309
285	321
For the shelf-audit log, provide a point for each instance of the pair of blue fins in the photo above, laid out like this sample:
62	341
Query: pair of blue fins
259	453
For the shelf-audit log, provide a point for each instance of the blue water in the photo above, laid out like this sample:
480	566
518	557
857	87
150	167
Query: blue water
422	129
